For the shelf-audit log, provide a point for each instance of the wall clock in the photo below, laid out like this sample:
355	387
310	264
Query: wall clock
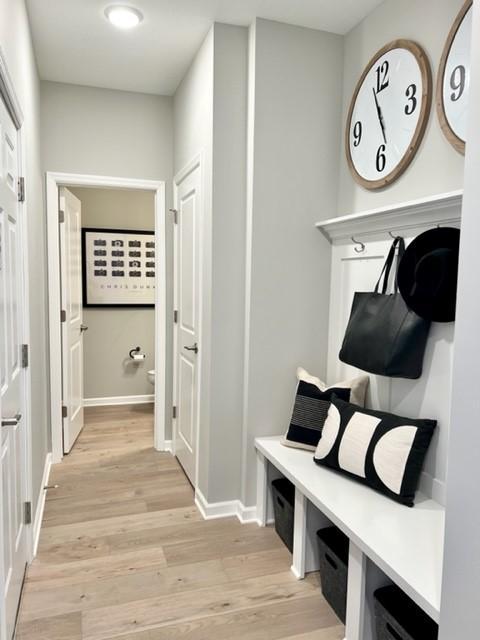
388	114
454	79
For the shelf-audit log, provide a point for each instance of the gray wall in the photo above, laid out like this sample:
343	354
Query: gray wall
108	370
437	167
296	82
17	48
210	118
113	133
228	246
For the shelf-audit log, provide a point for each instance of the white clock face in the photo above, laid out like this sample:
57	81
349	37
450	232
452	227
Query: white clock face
456	79
386	114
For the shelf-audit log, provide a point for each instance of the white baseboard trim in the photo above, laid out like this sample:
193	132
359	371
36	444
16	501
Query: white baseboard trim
231	508
168	446
117	400
37	523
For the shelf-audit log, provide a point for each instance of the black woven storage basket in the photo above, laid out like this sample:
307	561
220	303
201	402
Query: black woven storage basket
397	617
333	546
283	493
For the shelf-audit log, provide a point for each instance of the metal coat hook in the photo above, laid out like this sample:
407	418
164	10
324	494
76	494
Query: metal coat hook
392	236
360	248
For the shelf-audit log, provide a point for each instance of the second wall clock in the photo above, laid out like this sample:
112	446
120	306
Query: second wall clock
388	114
454	79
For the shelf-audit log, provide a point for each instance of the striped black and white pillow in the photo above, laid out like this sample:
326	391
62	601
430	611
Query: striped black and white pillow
310	409
384	451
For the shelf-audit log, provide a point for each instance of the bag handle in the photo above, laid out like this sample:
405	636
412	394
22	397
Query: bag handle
401	251
385	274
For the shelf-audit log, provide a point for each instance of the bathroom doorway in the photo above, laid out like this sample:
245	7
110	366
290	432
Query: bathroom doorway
107	274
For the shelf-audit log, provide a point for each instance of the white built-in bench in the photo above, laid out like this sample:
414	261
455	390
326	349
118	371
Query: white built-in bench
388	541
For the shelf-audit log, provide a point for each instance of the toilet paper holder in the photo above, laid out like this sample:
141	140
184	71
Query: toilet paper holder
136	354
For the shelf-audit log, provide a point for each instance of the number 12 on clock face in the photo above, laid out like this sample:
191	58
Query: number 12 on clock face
388	114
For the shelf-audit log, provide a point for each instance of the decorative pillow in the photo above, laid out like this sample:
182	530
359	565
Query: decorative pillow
384	451
312	402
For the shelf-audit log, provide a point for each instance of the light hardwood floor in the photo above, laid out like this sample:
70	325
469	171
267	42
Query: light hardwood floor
124	553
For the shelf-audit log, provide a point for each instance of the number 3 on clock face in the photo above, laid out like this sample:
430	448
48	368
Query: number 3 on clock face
388	114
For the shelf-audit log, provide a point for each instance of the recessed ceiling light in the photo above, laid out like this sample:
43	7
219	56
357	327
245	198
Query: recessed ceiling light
123	17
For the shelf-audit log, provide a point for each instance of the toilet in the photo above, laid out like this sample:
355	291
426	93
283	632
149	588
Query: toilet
151	376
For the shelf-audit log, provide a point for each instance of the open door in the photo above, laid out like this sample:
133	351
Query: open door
14	515
70	217
187	284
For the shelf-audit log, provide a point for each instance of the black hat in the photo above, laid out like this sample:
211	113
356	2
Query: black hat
427	274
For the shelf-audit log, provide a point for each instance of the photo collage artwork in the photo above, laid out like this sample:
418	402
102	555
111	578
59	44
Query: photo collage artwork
118	267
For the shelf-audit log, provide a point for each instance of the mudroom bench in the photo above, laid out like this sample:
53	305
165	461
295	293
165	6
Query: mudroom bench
388	541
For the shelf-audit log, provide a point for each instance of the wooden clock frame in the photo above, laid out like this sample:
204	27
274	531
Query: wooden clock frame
427	89
451	136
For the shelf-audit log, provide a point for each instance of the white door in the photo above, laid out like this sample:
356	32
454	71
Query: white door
72	310
13	533
187	267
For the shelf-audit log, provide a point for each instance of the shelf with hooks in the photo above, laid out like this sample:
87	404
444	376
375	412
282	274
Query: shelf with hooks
441	209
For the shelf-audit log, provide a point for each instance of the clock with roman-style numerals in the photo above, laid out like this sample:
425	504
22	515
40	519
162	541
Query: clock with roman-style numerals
454	79
388	114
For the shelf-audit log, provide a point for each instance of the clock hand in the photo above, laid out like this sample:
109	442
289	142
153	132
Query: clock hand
380	116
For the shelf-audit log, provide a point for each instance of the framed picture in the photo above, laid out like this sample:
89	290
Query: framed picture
118	268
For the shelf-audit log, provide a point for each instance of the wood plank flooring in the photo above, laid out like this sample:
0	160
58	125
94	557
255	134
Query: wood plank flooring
124	553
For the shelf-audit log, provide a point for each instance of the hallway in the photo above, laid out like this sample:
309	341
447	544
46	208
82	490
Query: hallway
124	553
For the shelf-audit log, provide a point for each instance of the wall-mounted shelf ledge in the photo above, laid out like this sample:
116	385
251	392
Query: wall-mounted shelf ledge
443	209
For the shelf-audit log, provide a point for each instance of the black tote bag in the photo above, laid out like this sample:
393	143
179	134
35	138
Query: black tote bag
383	335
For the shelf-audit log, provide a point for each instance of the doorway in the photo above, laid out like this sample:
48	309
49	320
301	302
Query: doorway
187	334
66	338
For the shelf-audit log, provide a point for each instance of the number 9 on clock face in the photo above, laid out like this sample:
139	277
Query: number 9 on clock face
388	114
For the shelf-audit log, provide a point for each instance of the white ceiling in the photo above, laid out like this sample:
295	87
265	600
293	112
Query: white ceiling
74	43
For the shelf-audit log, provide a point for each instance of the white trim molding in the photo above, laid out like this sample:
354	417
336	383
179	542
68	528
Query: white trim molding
53	182
42	496
444	208
113	401
229	509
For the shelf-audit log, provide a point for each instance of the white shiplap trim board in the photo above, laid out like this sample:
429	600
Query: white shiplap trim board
443	209
227	509
113	401
53	182
42	496
250	174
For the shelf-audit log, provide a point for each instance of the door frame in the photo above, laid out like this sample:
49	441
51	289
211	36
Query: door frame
9	95
54	181
195	162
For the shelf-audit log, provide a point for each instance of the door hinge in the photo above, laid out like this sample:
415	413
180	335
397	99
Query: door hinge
61	216
27	513
63	315
64	411
174	412
175	215
25	355
21	189
175	316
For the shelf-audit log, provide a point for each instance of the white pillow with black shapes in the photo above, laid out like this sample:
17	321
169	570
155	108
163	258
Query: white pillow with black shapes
312	401
382	450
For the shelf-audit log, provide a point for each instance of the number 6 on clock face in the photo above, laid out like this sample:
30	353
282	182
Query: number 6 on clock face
388	114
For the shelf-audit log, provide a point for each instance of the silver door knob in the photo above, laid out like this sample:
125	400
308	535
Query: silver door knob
83	327
11	422
193	347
